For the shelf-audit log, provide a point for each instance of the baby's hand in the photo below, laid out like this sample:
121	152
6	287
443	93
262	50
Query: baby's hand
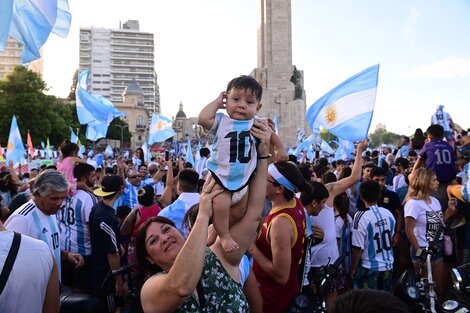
221	100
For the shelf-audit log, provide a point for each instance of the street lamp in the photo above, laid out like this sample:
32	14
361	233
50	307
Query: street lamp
122	134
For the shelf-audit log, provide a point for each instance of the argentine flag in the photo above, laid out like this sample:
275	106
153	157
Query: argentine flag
346	111
15	147
160	129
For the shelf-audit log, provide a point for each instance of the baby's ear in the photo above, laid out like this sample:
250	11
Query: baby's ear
259	107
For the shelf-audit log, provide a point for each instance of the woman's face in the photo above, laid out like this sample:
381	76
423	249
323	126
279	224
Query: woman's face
434	184
163	242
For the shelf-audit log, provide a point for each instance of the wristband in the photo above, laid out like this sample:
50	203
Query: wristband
264	157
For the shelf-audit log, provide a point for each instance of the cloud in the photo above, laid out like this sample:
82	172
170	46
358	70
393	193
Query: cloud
448	68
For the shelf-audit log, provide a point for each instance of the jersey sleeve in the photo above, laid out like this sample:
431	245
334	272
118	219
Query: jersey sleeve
217	119
410	210
21	224
358	233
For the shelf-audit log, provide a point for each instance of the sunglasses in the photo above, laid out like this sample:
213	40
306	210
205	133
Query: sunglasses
136	176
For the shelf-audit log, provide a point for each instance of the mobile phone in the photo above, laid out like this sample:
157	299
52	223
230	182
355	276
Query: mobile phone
167	155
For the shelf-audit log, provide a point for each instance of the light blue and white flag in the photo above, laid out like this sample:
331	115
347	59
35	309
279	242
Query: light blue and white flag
346	111
324	146
160	129
73	136
147	155
300	136
6	12
109	151
15	147
189	153
64	19
305	144
95	111
344	150
198	148
32	22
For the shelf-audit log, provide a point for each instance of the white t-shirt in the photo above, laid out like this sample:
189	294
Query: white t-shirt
26	286
398	182
372	231
73	218
29	220
427	222
327	250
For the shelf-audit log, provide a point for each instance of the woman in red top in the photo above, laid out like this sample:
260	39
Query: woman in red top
283	231
133	221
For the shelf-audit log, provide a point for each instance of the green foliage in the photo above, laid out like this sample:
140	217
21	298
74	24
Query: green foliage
382	136
71	96
114	131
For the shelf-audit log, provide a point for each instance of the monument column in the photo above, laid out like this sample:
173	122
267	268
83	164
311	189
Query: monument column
283	92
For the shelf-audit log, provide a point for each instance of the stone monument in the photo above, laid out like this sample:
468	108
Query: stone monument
283	92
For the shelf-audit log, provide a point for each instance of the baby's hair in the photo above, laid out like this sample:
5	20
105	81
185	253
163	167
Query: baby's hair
245	82
68	148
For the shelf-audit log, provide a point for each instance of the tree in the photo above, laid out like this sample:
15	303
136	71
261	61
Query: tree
22	94
71	96
114	131
382	136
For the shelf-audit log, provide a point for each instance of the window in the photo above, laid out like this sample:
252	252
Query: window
140	120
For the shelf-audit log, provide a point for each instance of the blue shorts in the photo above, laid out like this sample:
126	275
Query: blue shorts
436	256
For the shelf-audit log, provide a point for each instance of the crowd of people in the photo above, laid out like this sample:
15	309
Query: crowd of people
246	229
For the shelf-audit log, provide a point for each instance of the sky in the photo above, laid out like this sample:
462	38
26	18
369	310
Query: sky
423	48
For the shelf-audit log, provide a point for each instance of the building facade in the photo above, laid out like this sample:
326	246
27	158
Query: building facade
11	57
116	57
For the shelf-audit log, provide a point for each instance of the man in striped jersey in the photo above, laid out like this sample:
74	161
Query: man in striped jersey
372	253
105	243
36	218
73	218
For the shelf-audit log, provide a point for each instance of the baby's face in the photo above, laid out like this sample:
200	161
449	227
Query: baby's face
242	104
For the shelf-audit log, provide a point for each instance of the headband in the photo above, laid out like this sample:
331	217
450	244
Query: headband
281	179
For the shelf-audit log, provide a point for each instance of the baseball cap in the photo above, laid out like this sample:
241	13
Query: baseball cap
109	185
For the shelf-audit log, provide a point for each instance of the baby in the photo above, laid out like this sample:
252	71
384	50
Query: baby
233	158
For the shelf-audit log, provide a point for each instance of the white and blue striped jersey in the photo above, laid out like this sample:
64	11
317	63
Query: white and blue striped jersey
73	218
178	209
466	184
442	118
233	156
29	220
372	232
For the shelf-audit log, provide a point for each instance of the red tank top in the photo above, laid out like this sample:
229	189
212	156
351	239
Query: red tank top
276	297
145	214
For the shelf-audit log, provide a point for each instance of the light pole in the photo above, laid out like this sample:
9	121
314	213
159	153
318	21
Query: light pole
122	134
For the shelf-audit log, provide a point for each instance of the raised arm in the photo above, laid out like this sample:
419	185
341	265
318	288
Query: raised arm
207	115
340	186
167	194
242	231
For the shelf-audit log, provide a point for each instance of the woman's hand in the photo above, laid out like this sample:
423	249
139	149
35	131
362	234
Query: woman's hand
209	191
262	132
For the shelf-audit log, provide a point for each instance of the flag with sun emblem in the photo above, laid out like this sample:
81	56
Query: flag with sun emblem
160	129
15	148
346	111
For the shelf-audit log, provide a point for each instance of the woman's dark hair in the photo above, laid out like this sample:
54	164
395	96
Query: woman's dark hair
141	250
346	172
190	217
417	142
369	301
68	148
341	204
290	171
328	177
141	157
146	196
317	192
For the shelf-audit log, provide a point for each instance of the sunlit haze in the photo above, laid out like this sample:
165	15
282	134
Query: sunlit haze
423	48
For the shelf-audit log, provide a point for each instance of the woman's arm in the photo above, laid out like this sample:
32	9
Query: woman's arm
167	194
281	235
340	186
128	224
410	224
241	231
165	293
